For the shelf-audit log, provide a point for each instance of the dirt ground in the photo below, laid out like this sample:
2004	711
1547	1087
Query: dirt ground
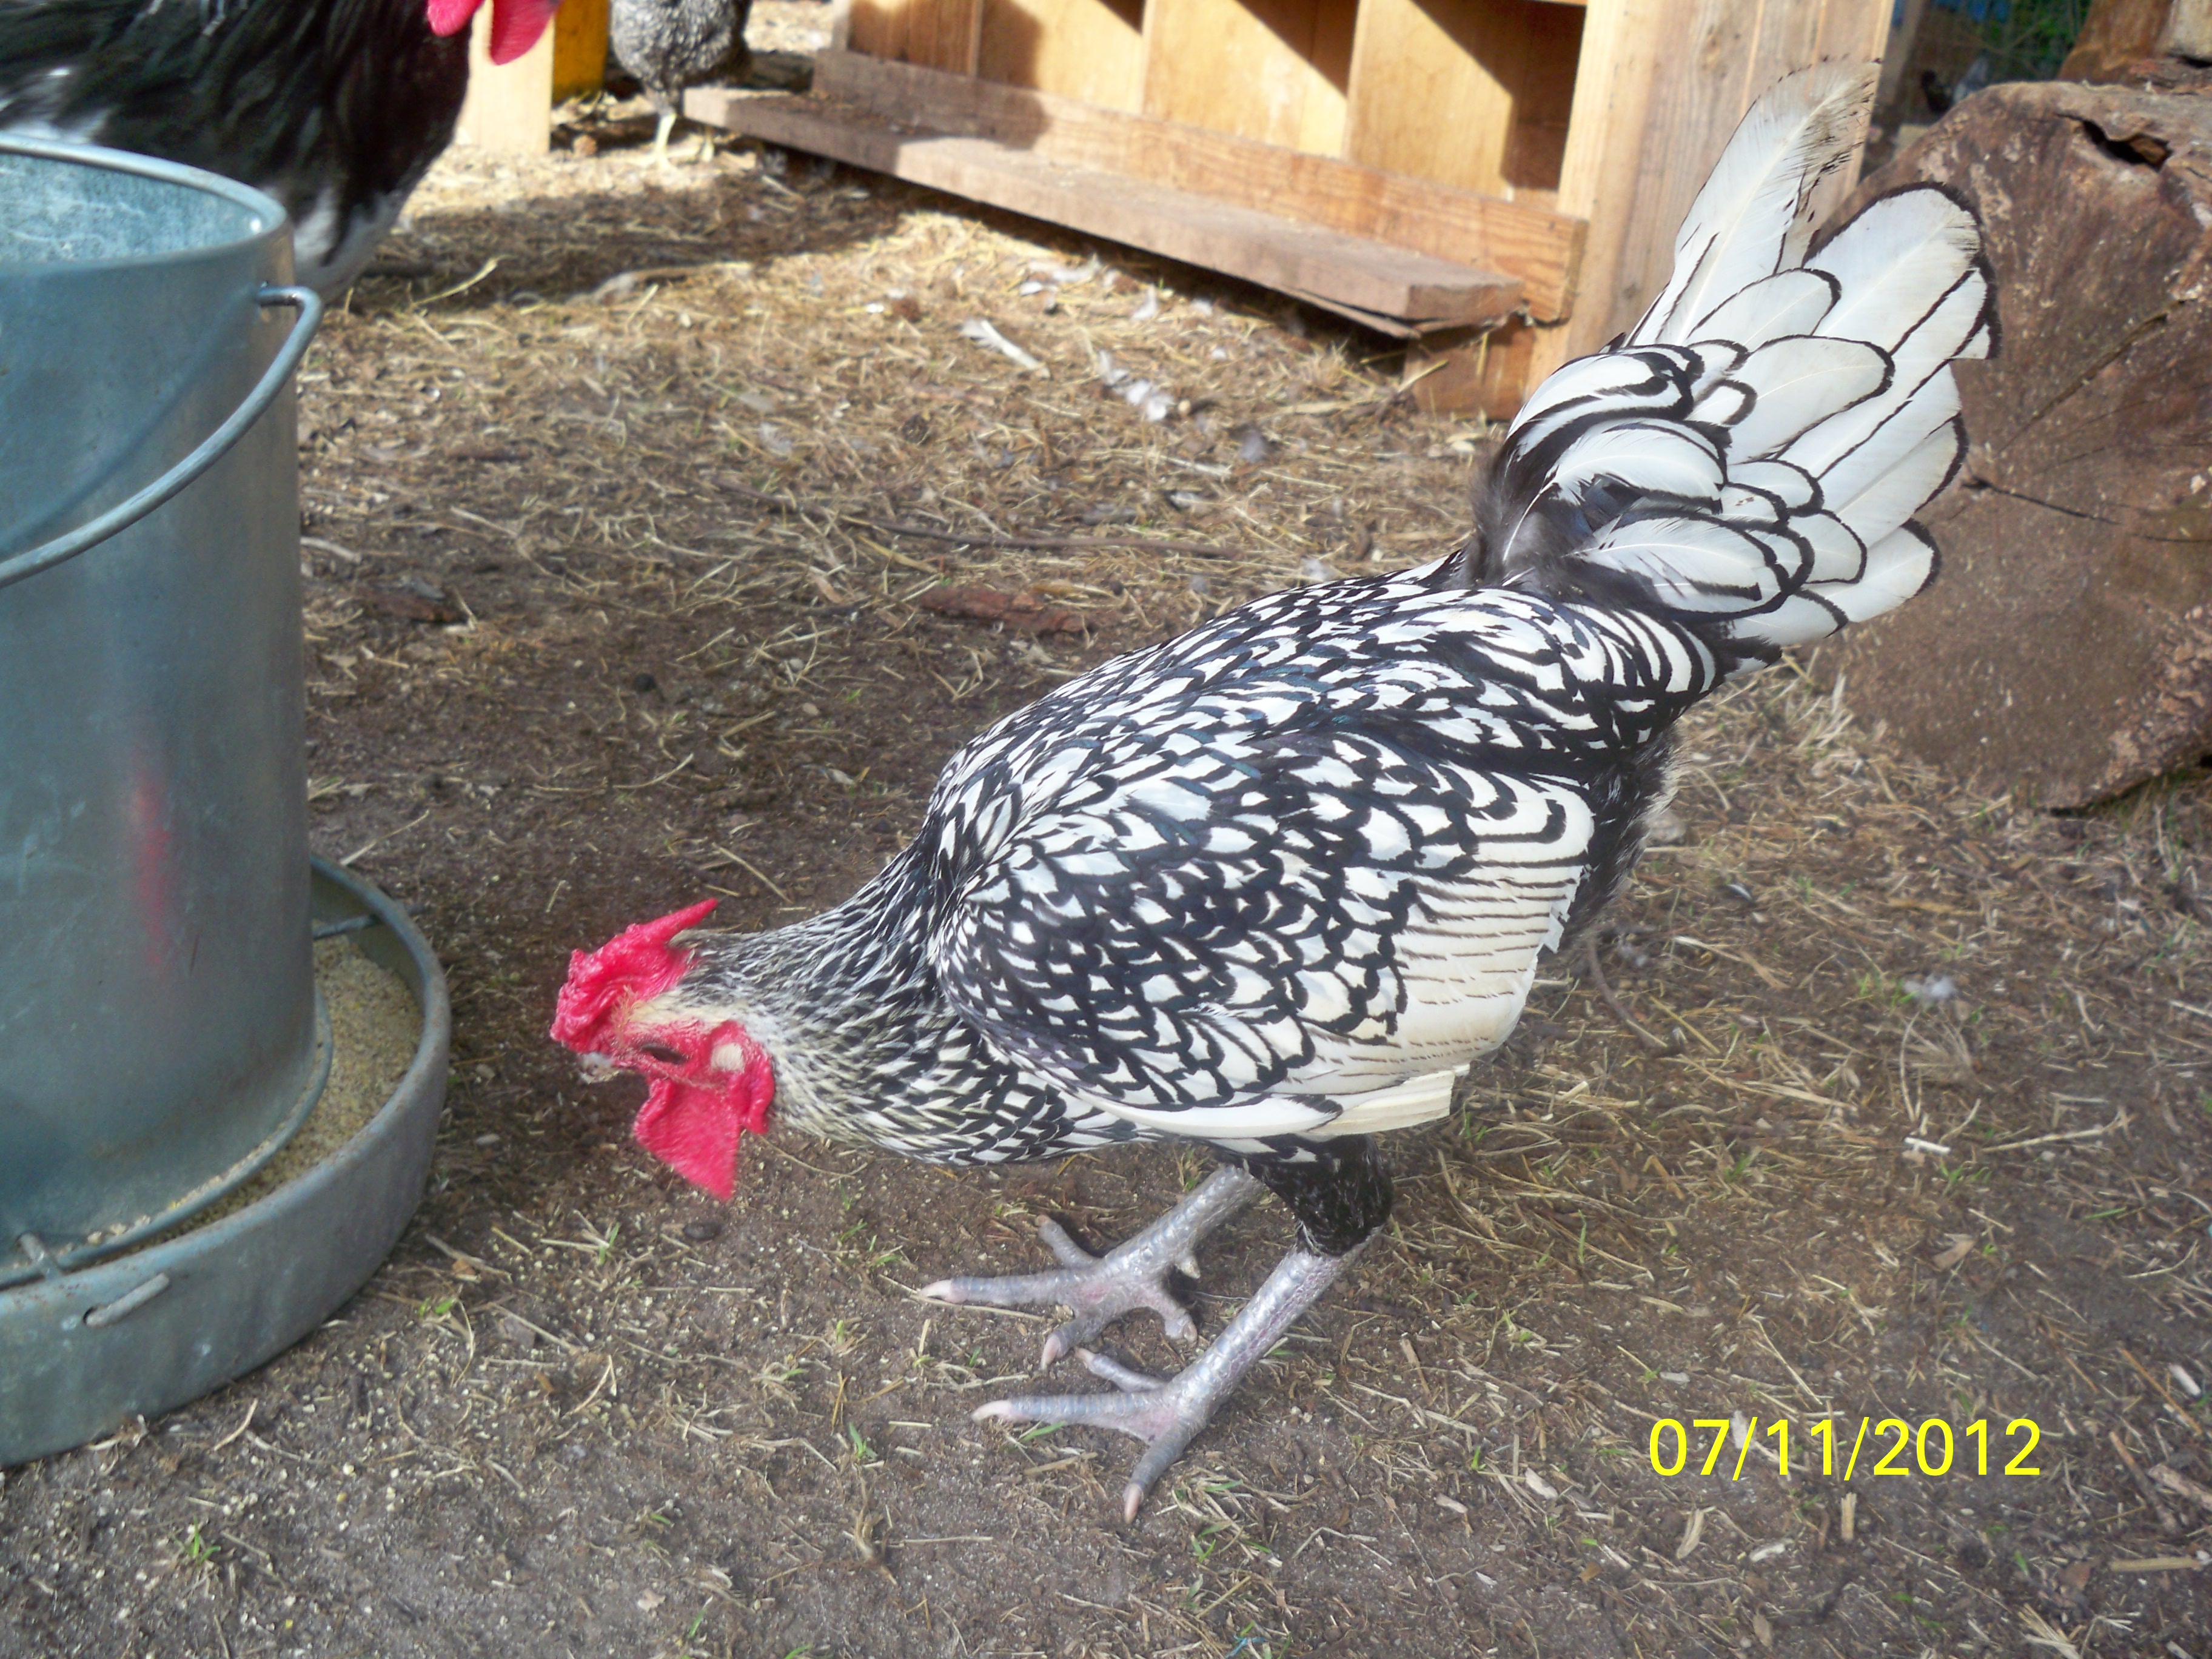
625	489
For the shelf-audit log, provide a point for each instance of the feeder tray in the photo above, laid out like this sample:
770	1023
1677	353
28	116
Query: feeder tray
83	1351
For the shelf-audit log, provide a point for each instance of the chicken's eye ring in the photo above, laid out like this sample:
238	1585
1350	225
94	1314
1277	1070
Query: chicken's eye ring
664	1054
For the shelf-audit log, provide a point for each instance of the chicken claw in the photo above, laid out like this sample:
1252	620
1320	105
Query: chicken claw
1099	1290
1168	1415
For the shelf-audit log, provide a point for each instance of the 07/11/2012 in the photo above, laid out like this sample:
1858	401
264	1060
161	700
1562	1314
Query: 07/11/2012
1932	1448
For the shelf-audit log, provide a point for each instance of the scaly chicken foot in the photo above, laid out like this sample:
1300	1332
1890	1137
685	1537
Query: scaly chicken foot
1099	1290
1167	1414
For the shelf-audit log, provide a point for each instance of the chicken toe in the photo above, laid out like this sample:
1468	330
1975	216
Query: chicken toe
1099	1290
1167	1415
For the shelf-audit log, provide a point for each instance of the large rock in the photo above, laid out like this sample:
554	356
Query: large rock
2066	648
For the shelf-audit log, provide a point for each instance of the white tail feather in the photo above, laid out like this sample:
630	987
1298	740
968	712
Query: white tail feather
1898	566
1754	217
1787	302
1748	458
1895	263
1666	456
1798	383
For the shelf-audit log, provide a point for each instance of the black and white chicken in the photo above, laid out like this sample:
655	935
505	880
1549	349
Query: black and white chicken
669	45
1273	885
334	107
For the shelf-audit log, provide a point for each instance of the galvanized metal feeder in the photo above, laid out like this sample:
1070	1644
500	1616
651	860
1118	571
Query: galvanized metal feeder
161	1035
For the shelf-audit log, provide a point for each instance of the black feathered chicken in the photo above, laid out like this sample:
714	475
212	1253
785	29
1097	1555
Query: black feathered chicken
1273	885
334	107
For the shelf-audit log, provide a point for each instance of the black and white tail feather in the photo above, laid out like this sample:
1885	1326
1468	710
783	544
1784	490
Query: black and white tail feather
1745	461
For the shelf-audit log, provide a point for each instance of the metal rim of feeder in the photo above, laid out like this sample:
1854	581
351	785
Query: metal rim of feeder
138	1334
41	1261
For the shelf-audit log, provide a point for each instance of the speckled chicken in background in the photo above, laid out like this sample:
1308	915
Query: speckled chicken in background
1273	885
334	107
669	45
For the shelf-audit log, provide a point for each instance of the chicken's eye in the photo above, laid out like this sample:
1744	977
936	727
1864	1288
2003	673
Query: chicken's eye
663	1052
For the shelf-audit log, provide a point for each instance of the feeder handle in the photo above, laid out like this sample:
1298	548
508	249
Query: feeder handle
188	470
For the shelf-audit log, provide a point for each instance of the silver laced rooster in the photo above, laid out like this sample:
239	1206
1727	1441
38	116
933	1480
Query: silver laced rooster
1274	885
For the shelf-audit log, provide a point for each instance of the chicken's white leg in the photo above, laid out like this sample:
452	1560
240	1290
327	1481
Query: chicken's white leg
1099	1290
1167	1415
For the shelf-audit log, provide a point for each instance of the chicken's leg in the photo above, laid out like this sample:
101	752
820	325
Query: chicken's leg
1341	1196
1099	1290
1167	1415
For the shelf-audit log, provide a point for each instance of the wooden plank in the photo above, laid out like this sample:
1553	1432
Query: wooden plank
1536	246
509	107
1093	50
1273	70
1385	286
579	48
1622	42
1660	87
1497	76
1461	370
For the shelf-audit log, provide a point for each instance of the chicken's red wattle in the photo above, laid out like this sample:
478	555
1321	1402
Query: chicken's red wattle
515	24
692	1122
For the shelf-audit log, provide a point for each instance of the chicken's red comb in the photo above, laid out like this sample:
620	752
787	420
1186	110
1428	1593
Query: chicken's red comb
636	965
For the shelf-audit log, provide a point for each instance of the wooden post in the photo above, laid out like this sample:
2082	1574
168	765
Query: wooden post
509	108
1610	140
579	48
